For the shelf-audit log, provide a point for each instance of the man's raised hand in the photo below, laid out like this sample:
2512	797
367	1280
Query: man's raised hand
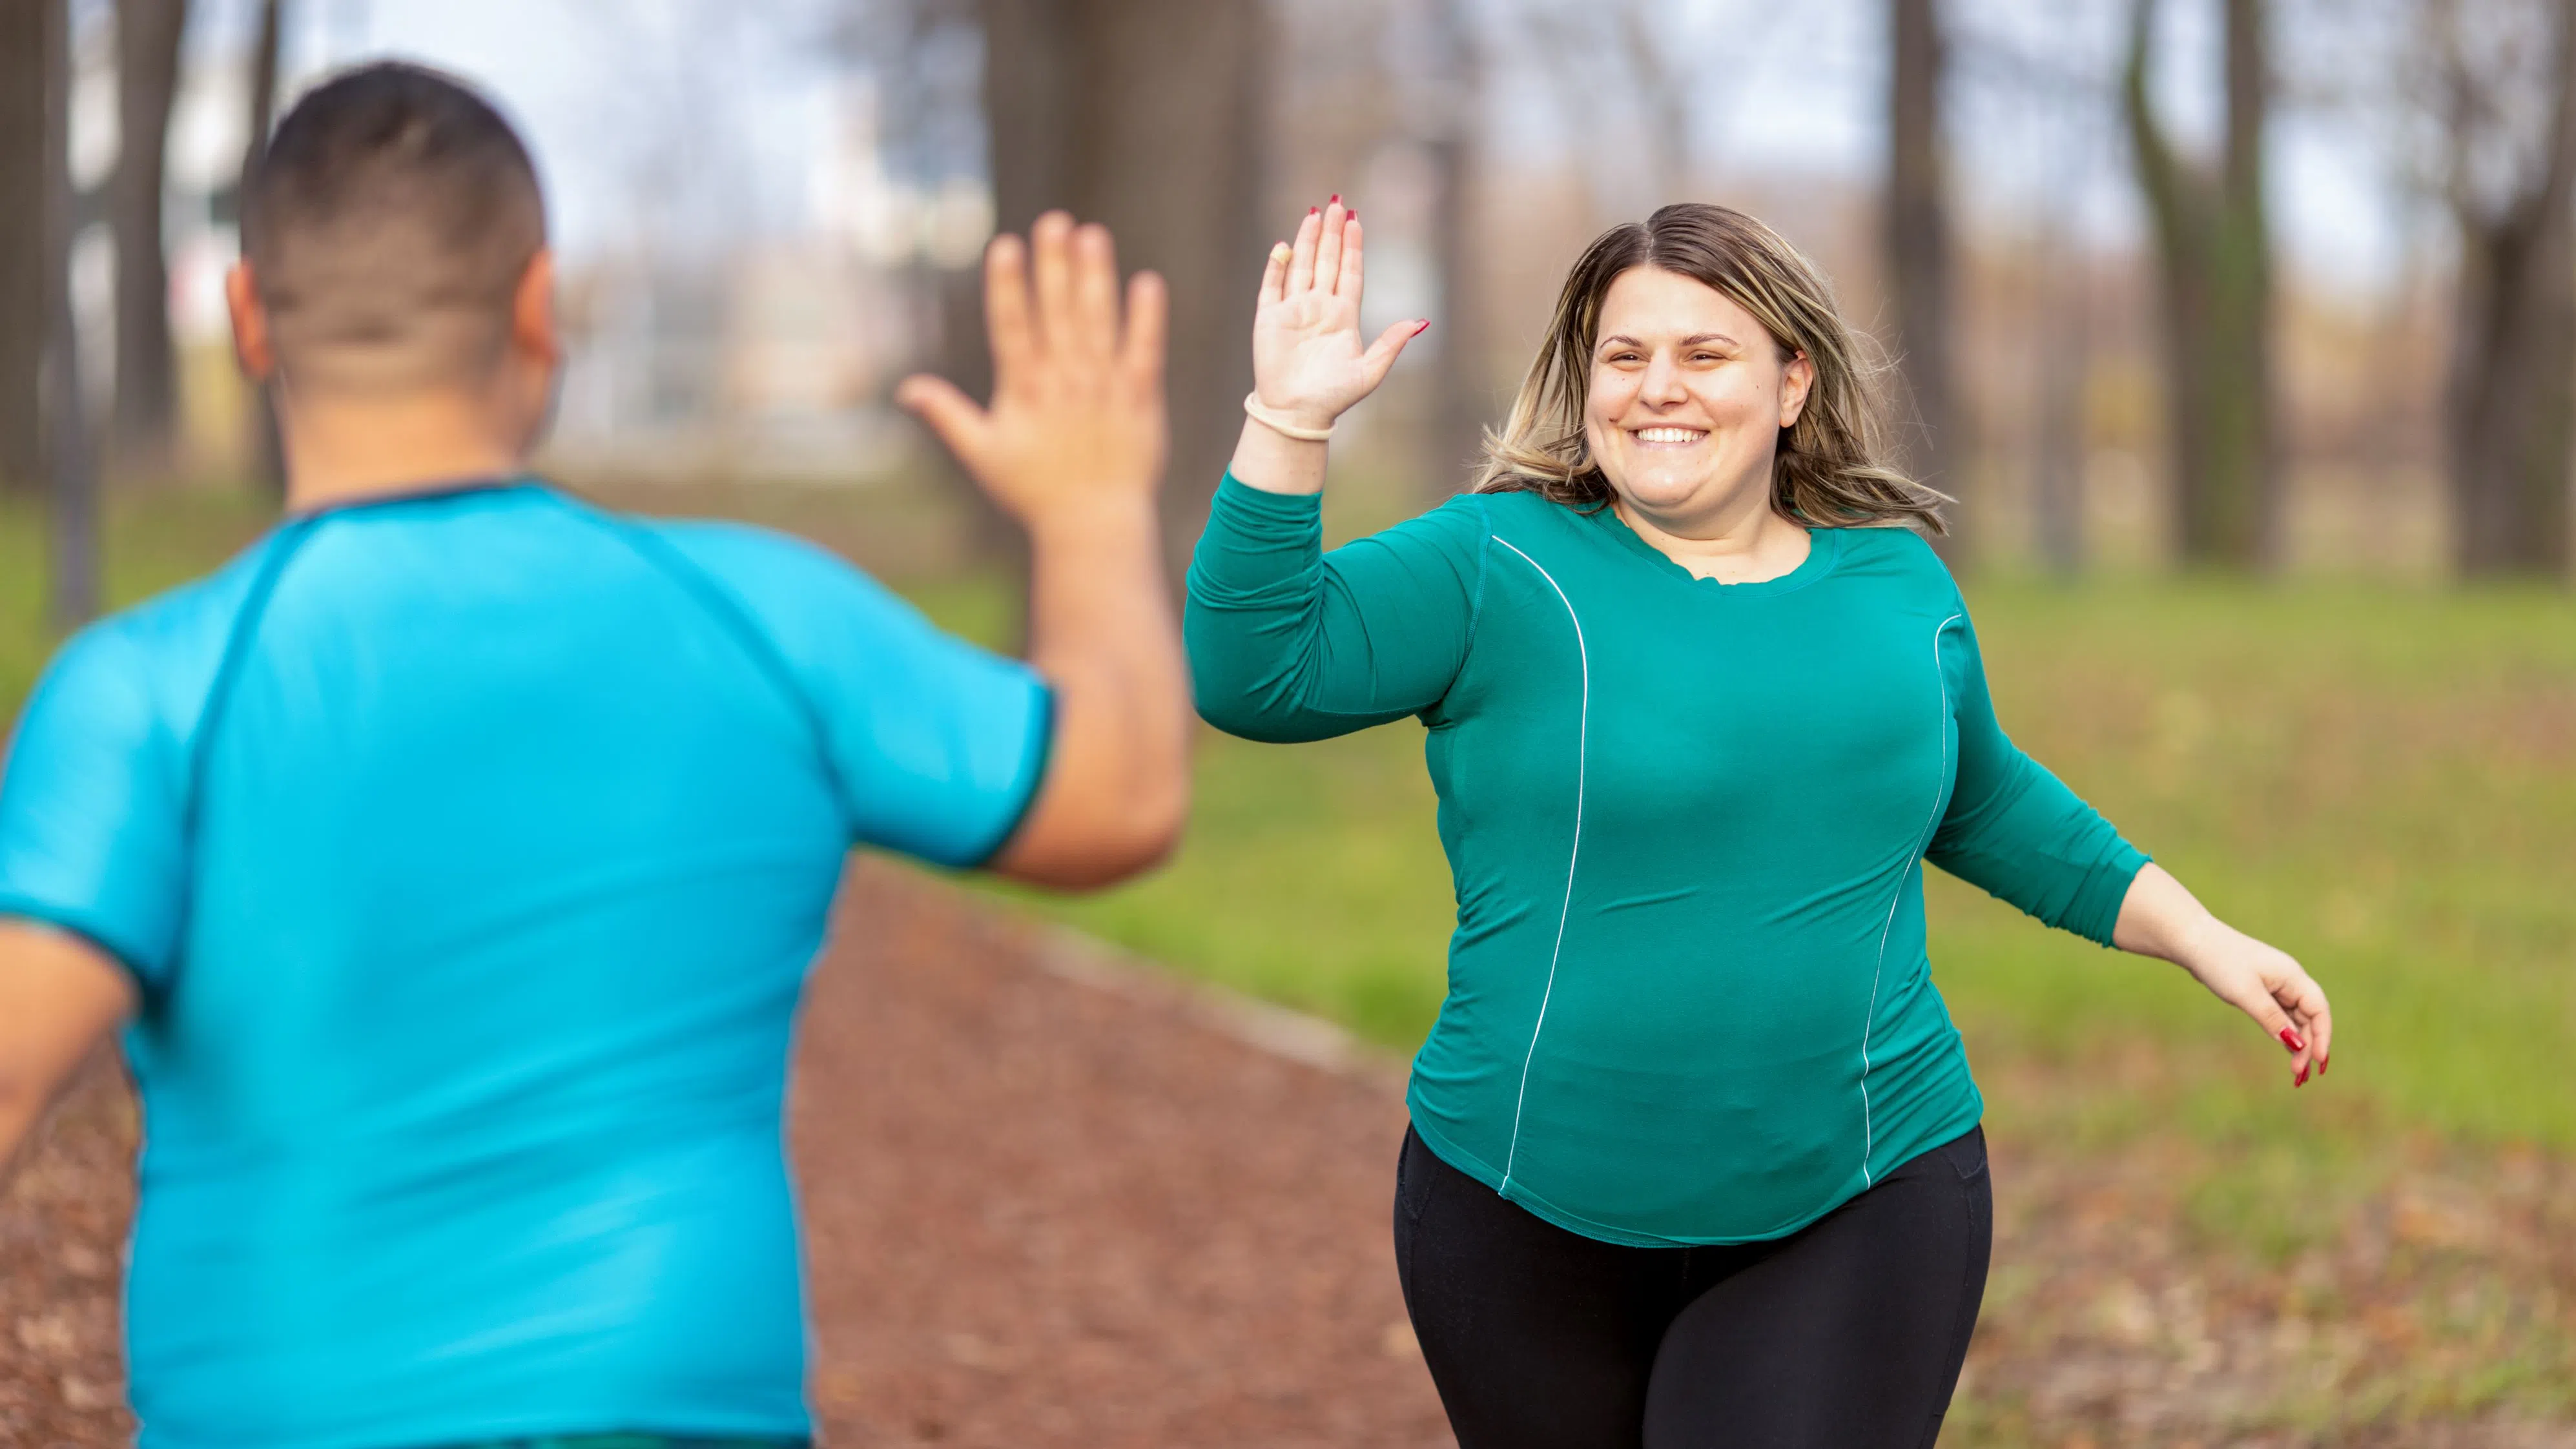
1077	420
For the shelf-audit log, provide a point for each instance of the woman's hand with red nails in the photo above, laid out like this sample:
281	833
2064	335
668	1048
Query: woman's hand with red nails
1309	363
2160	918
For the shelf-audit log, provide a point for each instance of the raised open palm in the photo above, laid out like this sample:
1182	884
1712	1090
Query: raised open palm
1077	420
1308	361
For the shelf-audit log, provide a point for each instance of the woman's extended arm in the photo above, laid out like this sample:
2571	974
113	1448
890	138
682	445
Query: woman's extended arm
2016	830
2159	918
1284	643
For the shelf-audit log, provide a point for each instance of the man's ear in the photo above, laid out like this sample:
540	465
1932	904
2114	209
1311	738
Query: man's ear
250	324
532	312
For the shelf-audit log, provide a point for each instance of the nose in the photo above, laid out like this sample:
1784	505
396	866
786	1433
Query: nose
1661	387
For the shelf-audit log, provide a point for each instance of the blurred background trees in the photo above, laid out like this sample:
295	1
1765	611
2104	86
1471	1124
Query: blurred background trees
2214	272
1147	116
70	460
1915	227
2501	79
22	244
2065	224
147	83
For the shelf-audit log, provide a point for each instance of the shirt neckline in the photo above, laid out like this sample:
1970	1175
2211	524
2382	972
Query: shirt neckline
1824	549
427	492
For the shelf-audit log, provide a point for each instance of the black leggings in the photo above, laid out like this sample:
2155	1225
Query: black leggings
1847	1334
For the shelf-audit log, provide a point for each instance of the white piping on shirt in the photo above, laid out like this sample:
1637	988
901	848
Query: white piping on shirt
1574	852
1923	842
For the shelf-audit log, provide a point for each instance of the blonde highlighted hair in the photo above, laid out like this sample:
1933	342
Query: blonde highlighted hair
1832	468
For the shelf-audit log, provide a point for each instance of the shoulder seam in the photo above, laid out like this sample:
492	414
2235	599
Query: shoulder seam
239	634
1476	600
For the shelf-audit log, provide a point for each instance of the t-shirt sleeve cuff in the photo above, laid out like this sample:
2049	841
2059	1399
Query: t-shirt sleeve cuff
2095	914
1037	754
1248	504
81	926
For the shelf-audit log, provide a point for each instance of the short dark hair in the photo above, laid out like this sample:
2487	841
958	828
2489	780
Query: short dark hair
387	224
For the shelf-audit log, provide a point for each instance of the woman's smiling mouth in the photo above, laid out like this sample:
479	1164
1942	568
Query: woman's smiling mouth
1668	435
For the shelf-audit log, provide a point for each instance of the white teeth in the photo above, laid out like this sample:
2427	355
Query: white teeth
1669	435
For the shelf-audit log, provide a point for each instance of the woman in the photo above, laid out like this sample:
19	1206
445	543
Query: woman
1695	1154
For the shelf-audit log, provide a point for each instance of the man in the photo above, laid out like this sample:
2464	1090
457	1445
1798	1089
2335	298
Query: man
456	854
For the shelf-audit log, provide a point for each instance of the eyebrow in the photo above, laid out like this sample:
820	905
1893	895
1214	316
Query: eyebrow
1691	341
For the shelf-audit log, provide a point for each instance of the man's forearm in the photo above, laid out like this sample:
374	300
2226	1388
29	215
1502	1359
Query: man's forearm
59	996
1103	632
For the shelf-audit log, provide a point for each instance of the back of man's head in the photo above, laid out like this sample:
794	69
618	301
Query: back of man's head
387	226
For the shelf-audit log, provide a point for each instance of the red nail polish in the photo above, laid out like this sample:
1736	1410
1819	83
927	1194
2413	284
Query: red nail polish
1355	213
1422	326
1336	201
2291	1040
1314	211
2301	1079
2322	1064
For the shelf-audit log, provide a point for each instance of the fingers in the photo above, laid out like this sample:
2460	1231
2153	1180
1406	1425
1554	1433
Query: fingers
1148	316
2307	1005
1328	247
1349	283
1095	290
1006	305
2255	999
2297	998
1051	249
1301	258
949	413
2291	1009
1389	346
1274	277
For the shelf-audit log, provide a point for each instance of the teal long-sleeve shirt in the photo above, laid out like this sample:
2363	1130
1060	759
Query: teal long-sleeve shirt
1689	998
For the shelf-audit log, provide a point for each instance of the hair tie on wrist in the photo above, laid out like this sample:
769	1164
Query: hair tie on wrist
1252	408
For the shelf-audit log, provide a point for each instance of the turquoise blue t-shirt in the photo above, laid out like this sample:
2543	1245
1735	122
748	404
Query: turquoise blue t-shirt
469	850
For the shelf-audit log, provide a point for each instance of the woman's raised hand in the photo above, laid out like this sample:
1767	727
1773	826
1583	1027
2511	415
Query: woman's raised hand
1308	362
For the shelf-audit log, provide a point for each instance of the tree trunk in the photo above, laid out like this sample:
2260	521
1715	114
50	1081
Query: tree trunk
147	79
1460	397
72	499
1147	116
1918	250
2057	462
2213	252
2513	362
22	247
267	448
1455	441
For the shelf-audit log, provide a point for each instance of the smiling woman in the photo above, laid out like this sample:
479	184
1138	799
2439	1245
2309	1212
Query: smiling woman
1703	332
1695	1153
